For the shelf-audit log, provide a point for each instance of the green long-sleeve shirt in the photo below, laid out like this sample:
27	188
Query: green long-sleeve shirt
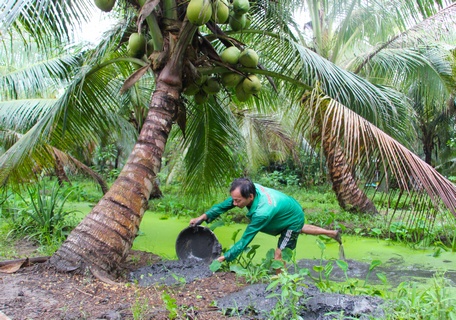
271	212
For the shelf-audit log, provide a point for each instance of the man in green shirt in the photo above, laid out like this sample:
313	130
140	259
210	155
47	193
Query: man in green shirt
269	211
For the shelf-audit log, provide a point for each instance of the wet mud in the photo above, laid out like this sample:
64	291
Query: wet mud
171	272
252	301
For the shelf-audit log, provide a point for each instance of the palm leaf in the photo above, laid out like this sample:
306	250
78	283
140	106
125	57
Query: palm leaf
46	21
364	145
210	148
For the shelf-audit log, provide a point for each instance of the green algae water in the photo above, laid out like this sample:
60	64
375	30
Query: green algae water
158	235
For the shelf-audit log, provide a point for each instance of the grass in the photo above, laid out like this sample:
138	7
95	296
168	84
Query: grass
319	203
321	208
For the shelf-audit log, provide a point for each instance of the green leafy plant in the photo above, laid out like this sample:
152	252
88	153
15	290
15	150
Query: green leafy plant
373	265
375	232
47	219
180	280
286	288
434	302
254	273
139	308
170	305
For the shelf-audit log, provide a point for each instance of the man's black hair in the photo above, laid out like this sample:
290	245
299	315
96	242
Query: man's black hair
246	187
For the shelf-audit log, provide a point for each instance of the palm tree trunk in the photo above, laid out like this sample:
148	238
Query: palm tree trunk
344	183
104	237
349	195
102	240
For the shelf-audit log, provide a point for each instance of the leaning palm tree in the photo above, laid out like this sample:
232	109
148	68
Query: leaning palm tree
183	52
346	33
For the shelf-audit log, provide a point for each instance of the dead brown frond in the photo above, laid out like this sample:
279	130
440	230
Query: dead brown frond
407	182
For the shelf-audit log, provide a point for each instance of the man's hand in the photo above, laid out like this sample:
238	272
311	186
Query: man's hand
199	220
221	259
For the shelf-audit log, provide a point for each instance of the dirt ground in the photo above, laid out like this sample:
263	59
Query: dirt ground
156	289
37	292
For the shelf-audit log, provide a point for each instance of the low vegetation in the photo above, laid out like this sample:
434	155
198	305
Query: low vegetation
44	213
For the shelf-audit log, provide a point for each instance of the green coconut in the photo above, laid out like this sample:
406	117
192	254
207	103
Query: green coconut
192	89
220	11
231	79
136	45
241	94
200	97
211	86
248	58
201	78
248	20
105	5
237	21
230	55
199	12
241	6
251	84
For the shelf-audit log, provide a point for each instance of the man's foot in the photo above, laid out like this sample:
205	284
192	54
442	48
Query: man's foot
338	236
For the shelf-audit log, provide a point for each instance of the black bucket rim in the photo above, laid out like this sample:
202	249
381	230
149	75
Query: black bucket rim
191	244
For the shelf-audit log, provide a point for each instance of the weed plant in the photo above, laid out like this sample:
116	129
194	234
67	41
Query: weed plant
38	215
139	308
170	305
406	301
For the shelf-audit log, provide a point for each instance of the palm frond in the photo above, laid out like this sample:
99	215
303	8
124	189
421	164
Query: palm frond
366	147
28	77
266	139
431	30
380	104
46	21
211	147
84	114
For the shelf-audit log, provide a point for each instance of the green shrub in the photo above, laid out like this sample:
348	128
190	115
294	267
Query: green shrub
43	217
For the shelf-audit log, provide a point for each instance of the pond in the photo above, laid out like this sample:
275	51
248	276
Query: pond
399	261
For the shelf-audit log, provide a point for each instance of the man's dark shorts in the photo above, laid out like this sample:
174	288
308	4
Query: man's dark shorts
288	239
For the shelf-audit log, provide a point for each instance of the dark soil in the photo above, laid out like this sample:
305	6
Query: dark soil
155	289
38	292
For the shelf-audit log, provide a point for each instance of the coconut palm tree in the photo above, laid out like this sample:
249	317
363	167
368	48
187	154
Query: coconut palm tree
183	52
368	39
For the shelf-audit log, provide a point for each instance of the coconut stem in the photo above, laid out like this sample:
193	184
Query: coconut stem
155	32
170	9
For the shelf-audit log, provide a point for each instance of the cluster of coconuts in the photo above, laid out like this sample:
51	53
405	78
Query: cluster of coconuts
200	12
202	87
245	86
138	45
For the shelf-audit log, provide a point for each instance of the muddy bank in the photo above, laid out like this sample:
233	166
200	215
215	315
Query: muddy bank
394	271
176	271
252	301
171	272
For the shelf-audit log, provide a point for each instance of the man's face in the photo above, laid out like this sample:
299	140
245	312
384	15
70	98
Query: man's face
239	201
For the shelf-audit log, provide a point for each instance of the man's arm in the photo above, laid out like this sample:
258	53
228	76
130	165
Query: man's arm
250	232
218	209
213	212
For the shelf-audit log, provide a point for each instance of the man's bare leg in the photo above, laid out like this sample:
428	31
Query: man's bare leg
278	256
316	231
